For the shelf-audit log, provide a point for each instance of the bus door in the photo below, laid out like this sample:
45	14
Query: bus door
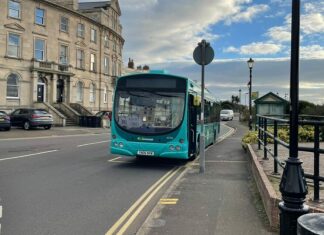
192	126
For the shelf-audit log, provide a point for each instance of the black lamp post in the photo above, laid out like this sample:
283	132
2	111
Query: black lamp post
250	63
293	186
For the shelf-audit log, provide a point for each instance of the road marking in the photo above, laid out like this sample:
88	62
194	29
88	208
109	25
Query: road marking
53	136
168	201
224	161
141	207
227	134
119	222
28	155
116	158
0	212
100	142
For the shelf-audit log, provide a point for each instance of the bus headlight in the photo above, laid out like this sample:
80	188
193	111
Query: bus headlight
171	147
181	141
116	144
121	145
178	148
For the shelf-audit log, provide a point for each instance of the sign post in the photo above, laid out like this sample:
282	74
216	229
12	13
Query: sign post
203	55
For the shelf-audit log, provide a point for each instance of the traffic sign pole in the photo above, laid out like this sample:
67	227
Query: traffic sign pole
202	116
203	55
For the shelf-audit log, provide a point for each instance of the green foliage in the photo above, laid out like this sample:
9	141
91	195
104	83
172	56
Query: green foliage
250	138
305	134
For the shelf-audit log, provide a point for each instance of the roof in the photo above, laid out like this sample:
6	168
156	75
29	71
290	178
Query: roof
94	5
270	98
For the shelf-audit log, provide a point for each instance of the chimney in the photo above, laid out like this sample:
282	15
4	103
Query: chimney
130	64
71	4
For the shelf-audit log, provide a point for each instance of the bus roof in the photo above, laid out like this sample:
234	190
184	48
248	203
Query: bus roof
194	88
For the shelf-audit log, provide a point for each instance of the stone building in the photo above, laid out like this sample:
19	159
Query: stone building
60	55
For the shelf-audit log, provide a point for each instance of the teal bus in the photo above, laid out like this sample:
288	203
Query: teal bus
157	114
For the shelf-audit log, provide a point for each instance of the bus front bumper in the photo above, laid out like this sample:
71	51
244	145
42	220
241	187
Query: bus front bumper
160	150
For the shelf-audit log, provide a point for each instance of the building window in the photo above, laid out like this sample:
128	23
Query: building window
39	49
64	51
14	9
105	95
79	91
13	86
92	93
106	39
14	43
93	37
80	31
93	62
120	49
114	68
40	16
119	70
106	65
80	59
64	26
114	45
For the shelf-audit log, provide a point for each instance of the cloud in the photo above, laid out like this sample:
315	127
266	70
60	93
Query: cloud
168	30
224	79
312	52
312	23
256	48
279	34
231	49
248	14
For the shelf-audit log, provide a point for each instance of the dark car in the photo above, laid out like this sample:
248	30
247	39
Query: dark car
4	121
104	114
28	118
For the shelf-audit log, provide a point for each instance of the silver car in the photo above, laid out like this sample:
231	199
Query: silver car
28	118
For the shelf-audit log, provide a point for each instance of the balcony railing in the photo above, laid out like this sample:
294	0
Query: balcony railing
46	66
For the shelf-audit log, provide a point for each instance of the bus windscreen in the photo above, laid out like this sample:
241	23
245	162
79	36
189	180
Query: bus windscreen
150	103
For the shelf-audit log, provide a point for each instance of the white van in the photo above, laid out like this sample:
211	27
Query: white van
226	114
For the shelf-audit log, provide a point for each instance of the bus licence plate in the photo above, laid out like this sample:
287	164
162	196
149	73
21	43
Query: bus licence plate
145	153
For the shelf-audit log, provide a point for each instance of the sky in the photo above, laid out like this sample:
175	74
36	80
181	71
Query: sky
164	33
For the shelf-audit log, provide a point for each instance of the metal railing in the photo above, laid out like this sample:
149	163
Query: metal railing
276	122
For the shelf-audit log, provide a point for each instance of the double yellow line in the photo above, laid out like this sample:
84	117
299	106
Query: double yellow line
130	215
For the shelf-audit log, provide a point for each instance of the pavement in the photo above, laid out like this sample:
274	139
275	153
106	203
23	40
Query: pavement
223	200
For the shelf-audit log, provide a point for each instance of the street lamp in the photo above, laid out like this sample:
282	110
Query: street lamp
250	63
240	95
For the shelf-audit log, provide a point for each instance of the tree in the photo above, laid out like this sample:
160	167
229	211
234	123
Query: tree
235	99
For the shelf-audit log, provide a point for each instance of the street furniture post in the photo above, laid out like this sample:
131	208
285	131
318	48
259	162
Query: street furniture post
293	186
203	55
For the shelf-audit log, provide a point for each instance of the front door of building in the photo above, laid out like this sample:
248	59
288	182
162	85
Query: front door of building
40	92
60	91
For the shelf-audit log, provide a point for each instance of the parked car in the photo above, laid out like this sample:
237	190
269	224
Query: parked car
28	118
104	115
4	121
226	114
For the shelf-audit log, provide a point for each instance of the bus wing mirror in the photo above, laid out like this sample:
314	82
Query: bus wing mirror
196	101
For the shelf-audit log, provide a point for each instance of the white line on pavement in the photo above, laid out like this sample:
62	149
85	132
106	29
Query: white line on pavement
0	212
105	141
28	155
